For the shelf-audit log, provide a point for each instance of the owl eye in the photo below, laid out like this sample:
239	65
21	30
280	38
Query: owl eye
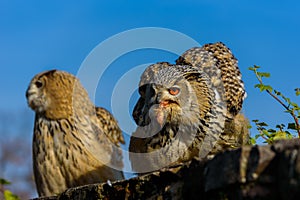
39	84
174	90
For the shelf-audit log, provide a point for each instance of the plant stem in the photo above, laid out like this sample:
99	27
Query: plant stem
285	106
266	139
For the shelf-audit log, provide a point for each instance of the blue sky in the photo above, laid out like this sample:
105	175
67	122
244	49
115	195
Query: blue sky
41	35
37	36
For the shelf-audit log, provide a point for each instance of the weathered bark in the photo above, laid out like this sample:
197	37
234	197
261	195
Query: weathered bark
251	172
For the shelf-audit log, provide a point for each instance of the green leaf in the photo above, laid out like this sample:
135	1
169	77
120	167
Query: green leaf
271	131
254	68
277	93
294	104
258	85
280	126
297	91
265	132
8	195
262	124
280	135
252	141
289	134
292	126
4	182
263	74
268	87
263	87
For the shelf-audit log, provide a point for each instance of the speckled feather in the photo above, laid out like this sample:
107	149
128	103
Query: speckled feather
219	55
74	142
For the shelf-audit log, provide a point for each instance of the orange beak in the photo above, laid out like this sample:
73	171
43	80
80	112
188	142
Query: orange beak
163	104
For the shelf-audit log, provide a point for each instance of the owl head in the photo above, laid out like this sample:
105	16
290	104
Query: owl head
55	94
173	94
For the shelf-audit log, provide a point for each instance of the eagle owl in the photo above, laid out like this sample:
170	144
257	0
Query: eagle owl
187	110
74	142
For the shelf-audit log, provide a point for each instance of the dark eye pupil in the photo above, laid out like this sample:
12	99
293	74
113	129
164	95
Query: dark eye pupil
38	84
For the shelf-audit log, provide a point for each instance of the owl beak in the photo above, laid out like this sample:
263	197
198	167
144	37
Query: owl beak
161	100
164	104
30	96
160	115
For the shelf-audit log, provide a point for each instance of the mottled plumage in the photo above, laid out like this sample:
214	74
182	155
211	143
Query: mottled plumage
74	142
226	74
221	66
202	119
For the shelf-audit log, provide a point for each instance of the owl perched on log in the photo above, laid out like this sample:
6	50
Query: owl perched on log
187	110
74	142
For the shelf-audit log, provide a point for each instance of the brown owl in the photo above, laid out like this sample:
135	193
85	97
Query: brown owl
188	110
74	142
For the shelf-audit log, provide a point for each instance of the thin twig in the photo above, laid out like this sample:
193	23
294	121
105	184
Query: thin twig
265	138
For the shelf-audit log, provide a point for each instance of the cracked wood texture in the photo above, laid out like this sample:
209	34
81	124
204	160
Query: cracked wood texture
251	172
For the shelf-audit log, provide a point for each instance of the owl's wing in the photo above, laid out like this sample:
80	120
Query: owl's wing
221	57
218	62
104	143
109	125
231	75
